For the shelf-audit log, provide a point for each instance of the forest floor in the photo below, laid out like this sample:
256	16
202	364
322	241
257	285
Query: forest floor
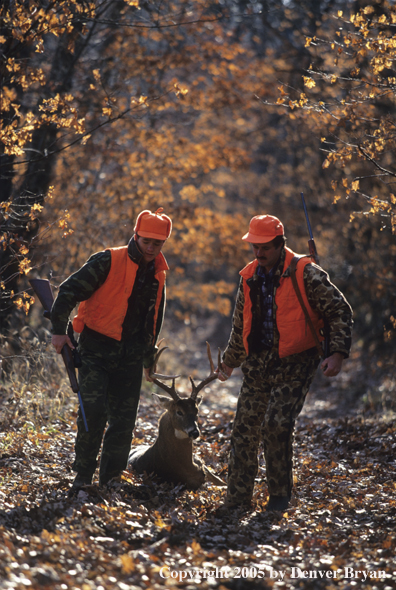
138	533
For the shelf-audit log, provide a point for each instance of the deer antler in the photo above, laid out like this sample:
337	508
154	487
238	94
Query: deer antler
213	375
156	376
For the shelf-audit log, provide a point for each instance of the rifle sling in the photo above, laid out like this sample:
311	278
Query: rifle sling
293	266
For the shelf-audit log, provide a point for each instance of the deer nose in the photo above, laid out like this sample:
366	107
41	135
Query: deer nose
193	432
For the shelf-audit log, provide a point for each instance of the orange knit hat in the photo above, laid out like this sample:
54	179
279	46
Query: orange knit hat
153	225
263	228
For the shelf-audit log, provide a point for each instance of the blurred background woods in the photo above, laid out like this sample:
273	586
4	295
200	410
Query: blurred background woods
216	111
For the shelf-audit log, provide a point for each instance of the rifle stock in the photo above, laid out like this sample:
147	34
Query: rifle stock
313	251
42	288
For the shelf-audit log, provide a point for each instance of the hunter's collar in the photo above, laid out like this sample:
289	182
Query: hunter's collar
159	263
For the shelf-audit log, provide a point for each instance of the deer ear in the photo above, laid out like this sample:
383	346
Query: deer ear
198	400
166	401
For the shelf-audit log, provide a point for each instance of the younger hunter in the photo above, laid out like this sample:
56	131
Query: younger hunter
121	292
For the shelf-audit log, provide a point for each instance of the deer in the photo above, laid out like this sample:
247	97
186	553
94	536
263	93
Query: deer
170	457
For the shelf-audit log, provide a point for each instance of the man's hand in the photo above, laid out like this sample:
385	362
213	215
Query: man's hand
332	365
224	372
59	341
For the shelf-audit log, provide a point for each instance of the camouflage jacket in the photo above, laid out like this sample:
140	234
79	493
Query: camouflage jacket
323	297
83	283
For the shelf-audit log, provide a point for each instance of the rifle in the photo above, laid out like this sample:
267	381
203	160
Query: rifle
311	242
71	358
314	255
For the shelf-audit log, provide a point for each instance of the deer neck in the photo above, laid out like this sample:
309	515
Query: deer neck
169	436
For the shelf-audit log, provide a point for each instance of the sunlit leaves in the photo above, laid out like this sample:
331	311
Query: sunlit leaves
353	110
341	514
181	92
24	301
309	82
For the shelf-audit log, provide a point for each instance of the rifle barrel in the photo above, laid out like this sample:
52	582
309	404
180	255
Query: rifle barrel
307	217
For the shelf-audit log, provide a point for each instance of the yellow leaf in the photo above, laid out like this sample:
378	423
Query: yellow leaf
196	547
309	82
85	139
24	267
128	565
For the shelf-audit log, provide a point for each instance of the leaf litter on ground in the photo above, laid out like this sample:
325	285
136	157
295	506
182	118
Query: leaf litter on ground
140	533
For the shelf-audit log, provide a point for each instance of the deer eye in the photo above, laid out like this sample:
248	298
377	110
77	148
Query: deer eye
179	413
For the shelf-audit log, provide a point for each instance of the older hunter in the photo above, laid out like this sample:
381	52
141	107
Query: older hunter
121	292
278	345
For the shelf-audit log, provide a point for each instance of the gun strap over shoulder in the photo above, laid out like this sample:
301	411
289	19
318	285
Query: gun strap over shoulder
293	266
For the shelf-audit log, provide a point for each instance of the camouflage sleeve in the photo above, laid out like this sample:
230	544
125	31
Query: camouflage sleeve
79	287
327	299
235	352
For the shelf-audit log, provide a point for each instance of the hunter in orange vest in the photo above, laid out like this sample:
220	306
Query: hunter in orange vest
277	330
121	297
106	309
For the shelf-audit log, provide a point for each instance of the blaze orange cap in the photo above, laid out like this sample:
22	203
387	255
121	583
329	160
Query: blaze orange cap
263	228
153	225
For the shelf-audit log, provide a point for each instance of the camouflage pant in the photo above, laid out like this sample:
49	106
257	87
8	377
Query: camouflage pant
110	380
271	397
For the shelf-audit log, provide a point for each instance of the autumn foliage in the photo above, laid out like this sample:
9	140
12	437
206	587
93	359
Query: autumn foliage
209	111
215	111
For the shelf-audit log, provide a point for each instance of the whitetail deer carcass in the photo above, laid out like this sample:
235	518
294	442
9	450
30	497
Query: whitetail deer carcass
171	455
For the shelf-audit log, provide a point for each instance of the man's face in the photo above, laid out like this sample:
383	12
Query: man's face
266	254
149	247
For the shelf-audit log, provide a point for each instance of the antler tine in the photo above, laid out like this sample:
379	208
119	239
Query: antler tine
213	374
154	373
156	376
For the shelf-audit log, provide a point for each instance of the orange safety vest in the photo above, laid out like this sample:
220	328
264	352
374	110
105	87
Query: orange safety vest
105	310
294	333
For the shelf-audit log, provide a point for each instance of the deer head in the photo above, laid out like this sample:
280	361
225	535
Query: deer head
183	411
